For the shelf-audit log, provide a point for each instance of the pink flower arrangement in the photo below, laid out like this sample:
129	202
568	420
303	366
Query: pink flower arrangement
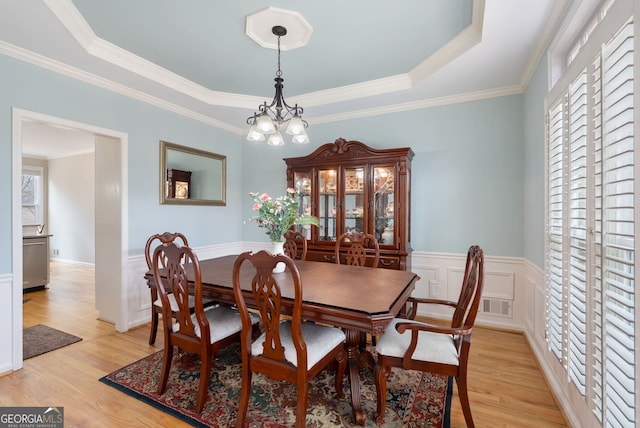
278	215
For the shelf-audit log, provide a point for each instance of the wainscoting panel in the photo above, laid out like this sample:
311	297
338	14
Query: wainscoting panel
503	296
10	358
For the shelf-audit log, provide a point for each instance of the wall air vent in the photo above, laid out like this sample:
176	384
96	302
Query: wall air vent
497	307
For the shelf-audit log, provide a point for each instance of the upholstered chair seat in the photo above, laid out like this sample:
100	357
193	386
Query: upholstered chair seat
320	341
434	347
226	321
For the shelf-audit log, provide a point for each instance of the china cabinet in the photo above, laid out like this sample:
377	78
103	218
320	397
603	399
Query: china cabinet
178	184
352	187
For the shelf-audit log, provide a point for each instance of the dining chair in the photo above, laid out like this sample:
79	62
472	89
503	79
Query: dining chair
357	249
295	244
203	332
289	349
414	345
156	304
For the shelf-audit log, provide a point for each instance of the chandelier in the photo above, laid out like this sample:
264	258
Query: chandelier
272	117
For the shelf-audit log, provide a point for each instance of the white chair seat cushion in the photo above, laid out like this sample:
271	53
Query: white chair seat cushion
223	322
173	303
320	340
435	347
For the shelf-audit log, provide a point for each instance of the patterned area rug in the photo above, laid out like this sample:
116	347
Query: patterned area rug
414	399
40	339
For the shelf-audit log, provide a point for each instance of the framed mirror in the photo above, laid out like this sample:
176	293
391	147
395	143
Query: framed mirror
191	176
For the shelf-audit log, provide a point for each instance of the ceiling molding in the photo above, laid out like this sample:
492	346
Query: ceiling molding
357	90
92	79
416	105
559	9
73	21
465	40
60	68
71	18
259	26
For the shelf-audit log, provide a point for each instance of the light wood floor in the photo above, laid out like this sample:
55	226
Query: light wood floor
507	388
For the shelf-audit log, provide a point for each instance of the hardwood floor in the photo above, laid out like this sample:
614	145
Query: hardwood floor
506	387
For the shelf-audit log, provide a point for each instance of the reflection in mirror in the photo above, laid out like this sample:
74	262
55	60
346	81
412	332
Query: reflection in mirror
191	176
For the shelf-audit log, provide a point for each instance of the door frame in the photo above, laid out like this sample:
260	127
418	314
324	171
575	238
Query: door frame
119	227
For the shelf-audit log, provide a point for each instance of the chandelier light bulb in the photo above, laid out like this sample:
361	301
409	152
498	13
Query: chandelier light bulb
265	124
254	134
300	138
276	139
296	126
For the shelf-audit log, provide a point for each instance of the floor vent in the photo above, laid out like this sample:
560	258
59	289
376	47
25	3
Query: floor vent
497	307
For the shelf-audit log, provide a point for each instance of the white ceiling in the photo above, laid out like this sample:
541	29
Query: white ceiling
362	58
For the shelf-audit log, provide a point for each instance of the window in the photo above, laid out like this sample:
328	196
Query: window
590	224
32	195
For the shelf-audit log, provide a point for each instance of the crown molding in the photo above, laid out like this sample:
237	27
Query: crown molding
357	90
416	105
92	79
75	73
465	40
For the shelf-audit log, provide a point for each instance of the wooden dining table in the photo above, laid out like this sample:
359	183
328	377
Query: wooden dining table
355	298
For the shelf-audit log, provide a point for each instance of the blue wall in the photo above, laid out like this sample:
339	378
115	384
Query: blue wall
32	88
468	171
534	166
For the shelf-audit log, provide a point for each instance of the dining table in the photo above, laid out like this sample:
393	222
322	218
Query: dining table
354	298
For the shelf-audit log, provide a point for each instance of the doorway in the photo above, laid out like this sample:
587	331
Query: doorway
110	222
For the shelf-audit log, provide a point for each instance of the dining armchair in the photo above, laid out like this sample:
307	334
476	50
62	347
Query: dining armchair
414	345
357	249
295	244
203	331
156	304
289	349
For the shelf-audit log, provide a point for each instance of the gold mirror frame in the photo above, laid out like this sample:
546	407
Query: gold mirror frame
207	174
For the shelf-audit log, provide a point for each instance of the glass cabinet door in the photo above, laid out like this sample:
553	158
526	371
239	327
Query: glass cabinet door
354	203
383	204
327	204
302	185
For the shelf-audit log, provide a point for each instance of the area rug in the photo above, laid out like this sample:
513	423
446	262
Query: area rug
40	339
414	399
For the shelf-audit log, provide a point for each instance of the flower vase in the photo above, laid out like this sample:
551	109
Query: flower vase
278	248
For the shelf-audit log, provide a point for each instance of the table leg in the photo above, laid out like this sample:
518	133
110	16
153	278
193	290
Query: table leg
353	354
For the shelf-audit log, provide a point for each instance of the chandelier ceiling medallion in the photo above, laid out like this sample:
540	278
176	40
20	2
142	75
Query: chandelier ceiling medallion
271	118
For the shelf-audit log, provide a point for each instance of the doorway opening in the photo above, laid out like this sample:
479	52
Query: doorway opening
110	221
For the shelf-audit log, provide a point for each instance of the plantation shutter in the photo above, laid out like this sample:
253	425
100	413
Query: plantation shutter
590	235
577	264
618	233
555	313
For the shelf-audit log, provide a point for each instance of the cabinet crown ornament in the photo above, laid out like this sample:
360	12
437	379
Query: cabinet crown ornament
342	149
